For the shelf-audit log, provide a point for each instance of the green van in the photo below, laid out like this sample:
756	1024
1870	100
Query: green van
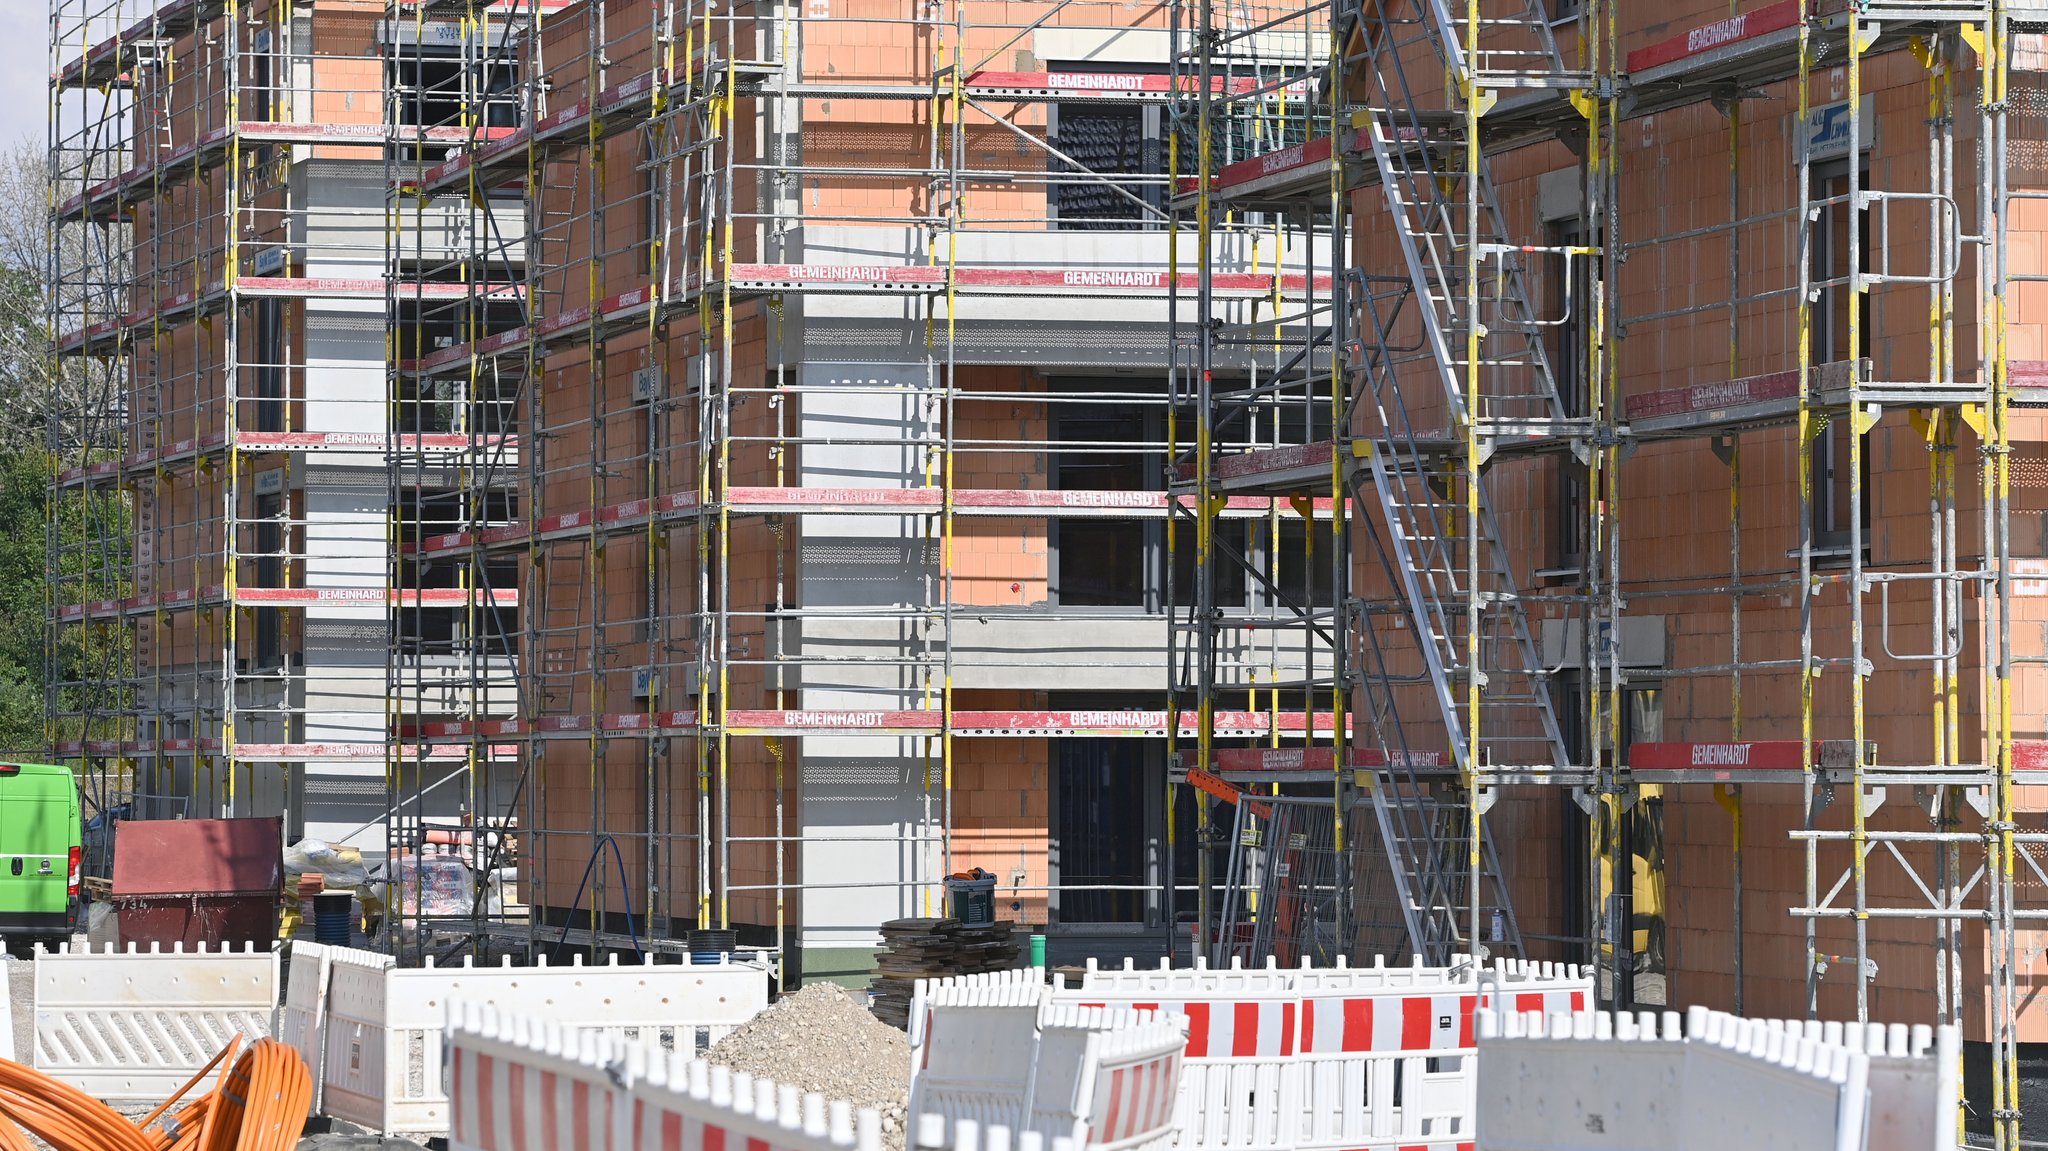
41	848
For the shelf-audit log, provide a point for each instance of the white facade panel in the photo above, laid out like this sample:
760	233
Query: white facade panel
863	807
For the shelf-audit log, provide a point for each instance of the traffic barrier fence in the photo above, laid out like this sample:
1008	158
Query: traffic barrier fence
378	1038
519	1083
131	1026
1585	1080
1333	1058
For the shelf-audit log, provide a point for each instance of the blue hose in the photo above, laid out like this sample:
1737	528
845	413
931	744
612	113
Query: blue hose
632	932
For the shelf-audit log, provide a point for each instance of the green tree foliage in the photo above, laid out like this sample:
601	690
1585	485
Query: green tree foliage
24	496
80	539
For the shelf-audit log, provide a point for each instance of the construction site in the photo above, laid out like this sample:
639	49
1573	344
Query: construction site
1295	481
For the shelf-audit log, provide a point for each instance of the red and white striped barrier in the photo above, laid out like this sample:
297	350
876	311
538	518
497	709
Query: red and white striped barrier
521	1084
1392	1069
1342	1058
1107	1077
991	1053
517	1084
1241	1077
1389	1050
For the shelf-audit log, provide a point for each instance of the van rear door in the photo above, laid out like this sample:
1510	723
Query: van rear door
36	817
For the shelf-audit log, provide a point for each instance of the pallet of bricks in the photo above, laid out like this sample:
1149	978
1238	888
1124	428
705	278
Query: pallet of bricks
914	949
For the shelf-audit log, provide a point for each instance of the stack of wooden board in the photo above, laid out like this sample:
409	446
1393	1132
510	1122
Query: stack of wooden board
914	949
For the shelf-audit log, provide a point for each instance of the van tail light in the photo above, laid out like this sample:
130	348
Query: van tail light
77	860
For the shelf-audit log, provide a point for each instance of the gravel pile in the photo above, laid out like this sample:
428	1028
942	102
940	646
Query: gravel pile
823	1039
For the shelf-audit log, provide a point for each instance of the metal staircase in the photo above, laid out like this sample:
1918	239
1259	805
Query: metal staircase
1429	414
1424	834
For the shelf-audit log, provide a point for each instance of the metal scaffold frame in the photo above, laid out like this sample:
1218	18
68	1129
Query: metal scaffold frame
88	677
607	431
1415	486
456	80
1497	100
714	727
183	137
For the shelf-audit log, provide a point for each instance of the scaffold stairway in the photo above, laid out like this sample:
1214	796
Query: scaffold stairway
1487	351
1420	499
1424	450
1423	827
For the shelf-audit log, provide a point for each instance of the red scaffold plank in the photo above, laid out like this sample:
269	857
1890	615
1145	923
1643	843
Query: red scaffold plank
990	279
296	752
1733	757
1707	37
427	597
362	751
1283	168
1274	459
341	288
1713	397
433	443
1081	85
1316	760
290	597
966	724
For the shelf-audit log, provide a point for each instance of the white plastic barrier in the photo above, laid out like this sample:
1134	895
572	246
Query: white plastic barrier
1590	1080
973	1040
1914	1098
6	1014
933	1133
523	1084
1337	1057
1914	1078
1762	1098
133	1026
305	1005
1106	1077
381	1036
1388	1051
1530	1096
347	1044
1240	1079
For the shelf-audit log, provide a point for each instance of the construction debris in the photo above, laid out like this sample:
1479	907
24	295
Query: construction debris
821	1039
932	949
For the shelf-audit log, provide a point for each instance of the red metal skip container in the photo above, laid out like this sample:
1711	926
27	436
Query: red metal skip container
193	881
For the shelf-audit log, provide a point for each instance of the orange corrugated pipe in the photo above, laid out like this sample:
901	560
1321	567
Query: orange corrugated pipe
259	1104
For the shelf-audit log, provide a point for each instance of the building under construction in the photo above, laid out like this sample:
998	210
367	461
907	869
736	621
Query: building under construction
1258	479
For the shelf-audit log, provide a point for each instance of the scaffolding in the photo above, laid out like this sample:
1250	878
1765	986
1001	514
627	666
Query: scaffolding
455	262
739	552
1393	457
746	369
214	281
1448	387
